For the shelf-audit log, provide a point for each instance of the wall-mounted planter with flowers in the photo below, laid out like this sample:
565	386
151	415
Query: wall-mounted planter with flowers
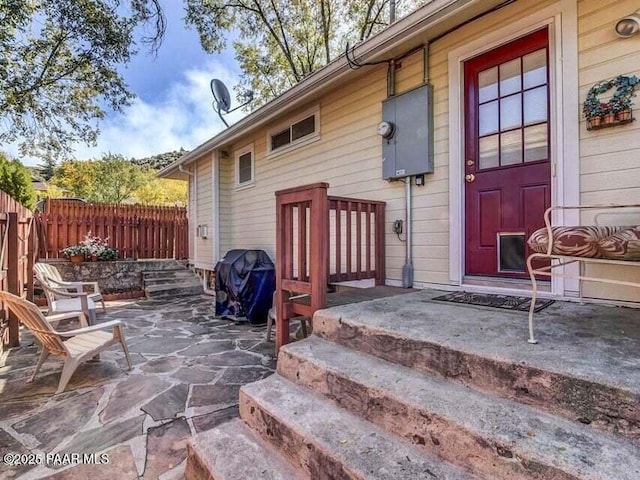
618	110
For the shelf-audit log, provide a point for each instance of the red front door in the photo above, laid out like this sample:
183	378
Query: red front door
507	168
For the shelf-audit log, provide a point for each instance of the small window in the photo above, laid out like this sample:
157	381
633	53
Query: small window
303	128
280	139
244	166
298	131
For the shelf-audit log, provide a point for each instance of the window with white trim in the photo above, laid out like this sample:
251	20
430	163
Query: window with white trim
302	129
245	166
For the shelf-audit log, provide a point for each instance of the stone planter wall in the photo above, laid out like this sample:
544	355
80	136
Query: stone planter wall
121	276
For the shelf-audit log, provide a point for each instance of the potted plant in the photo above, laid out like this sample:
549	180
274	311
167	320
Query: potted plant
75	253
94	246
592	110
108	254
622	108
608	115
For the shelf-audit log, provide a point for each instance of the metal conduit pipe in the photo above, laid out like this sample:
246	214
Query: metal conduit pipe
407	269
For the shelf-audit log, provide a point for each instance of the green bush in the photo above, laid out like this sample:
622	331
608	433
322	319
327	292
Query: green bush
15	180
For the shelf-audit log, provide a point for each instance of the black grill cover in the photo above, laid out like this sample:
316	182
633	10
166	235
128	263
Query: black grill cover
245	282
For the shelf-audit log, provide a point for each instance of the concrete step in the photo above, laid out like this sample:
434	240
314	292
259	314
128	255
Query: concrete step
188	287
169	280
327	442
492	436
181	272
232	452
585	380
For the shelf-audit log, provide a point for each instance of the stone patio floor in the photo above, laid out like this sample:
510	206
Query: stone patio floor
188	368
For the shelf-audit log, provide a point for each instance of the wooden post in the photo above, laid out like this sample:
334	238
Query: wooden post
318	251
31	256
380	260
12	338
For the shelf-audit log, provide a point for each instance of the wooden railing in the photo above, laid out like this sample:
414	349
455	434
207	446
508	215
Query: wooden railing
17	255
136	231
322	239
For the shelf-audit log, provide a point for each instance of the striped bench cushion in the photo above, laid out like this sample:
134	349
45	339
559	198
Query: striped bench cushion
607	242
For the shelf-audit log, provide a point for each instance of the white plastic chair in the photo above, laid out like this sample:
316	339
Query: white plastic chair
52	276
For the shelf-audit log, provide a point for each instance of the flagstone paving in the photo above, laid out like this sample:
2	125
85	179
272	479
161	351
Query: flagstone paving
188	368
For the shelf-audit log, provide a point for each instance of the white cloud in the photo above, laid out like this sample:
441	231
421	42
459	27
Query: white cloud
183	117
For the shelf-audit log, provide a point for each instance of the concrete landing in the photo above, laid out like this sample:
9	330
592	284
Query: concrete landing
592	342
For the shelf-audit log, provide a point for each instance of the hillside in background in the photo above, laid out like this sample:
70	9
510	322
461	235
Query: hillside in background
160	161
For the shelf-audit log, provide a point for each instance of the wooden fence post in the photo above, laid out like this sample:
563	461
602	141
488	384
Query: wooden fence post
31	256
12	338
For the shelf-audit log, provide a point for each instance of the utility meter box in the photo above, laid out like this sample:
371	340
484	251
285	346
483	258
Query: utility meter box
408	147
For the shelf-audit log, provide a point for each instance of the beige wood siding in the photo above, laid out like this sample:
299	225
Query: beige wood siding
609	158
204	247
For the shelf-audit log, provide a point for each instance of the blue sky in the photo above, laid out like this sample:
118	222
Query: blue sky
173	105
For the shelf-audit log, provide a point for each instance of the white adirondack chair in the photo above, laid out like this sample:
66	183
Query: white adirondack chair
61	300
74	346
50	274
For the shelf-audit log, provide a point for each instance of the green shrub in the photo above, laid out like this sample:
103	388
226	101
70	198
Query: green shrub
15	180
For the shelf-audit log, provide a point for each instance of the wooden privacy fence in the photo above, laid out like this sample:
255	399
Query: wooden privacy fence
17	255
136	231
322	239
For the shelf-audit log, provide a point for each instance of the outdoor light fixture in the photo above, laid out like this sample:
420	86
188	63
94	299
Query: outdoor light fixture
628	26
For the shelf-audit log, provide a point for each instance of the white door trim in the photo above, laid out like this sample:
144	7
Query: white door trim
562	20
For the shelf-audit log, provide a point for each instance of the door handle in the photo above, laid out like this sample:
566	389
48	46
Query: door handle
469	178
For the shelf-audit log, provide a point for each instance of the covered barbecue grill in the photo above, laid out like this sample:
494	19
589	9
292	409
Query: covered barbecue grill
245	282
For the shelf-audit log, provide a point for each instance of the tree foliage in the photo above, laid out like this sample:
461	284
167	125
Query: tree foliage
115	179
161	191
111	179
58	67
15	180
280	42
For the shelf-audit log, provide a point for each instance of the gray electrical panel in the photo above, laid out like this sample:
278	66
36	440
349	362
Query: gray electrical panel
409	150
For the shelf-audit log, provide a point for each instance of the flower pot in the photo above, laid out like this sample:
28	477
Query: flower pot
94	258
594	122
609	118
77	258
623	115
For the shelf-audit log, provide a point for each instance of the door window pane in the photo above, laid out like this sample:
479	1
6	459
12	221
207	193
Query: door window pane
511	147
535	143
488	118
488	84
535	68
535	105
510	112
489	152
510	77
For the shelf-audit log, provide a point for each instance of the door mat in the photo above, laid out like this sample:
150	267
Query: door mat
505	302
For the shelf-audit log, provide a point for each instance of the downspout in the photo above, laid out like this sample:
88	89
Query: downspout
194	177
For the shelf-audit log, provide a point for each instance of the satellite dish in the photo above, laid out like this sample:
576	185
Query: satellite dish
221	94
222	99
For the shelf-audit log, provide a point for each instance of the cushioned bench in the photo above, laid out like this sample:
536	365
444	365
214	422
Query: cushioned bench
560	246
